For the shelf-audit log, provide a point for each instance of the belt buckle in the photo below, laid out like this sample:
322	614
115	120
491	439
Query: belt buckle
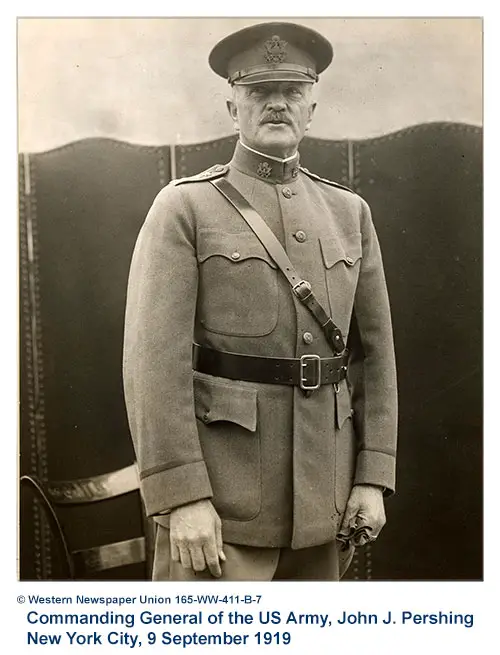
302	289
304	361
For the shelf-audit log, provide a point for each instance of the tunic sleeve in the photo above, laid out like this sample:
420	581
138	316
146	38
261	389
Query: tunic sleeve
375	388
157	359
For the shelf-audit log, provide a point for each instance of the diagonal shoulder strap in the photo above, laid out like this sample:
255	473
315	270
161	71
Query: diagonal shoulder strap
301	288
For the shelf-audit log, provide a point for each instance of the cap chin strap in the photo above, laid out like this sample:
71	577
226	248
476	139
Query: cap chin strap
236	77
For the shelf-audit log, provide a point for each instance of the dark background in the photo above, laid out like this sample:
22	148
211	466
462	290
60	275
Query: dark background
81	207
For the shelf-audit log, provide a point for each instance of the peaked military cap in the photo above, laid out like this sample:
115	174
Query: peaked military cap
280	52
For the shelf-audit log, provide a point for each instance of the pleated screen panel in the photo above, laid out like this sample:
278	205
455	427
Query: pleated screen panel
192	159
34	556
329	159
424	186
90	200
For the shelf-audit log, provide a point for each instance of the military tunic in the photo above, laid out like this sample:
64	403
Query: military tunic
277	464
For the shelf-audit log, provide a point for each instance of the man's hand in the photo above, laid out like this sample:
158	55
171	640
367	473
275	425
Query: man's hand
365	507
196	537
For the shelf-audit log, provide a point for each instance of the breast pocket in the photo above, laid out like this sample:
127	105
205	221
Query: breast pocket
227	426
238	292
342	261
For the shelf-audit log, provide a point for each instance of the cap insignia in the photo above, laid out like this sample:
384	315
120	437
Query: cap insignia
264	169
275	50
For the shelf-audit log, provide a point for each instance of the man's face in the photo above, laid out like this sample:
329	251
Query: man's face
272	117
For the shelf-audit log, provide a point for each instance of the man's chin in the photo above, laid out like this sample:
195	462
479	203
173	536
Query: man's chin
277	145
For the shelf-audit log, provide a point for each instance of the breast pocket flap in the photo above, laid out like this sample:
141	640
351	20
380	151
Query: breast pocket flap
236	248
337	249
220	401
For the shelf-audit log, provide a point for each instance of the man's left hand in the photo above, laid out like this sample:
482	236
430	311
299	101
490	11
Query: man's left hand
365	507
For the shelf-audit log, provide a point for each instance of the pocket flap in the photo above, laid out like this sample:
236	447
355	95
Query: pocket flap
347	249
343	401
216	400
236	247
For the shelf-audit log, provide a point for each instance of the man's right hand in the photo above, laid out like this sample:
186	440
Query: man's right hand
196	537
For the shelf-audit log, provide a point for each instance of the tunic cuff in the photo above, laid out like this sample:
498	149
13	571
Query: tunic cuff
173	487
377	468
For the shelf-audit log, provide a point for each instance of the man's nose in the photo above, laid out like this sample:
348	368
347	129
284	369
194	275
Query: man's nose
276	102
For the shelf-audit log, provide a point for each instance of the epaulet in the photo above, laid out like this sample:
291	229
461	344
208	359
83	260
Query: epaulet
325	180
210	174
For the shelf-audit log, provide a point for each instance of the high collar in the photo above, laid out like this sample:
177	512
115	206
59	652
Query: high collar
265	168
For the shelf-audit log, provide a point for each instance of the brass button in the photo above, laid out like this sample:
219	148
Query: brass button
235	255
287	192
307	337
349	260
205	417
300	235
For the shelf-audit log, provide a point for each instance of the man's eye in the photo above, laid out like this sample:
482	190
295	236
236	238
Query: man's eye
257	90
294	91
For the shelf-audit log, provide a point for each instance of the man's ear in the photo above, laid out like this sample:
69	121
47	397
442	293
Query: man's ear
233	112
312	108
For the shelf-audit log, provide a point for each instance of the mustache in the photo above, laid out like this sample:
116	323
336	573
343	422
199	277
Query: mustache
275	117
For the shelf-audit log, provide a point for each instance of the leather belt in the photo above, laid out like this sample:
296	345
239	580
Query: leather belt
308	372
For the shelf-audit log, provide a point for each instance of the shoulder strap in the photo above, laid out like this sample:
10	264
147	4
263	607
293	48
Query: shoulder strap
313	176
301	288
218	170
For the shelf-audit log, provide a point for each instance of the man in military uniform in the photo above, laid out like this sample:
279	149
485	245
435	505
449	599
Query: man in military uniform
260	444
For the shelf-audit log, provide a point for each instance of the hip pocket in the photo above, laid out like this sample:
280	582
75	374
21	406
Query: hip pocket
226	415
238	289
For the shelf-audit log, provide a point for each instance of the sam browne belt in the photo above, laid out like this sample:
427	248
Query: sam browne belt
308	372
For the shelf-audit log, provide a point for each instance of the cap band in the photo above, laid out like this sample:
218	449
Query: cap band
283	68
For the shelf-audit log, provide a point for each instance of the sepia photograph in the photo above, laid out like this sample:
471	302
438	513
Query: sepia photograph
250	299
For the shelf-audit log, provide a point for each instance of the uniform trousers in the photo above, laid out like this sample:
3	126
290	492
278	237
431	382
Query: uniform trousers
247	563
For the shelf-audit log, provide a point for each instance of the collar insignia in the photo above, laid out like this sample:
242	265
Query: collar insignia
264	169
275	50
